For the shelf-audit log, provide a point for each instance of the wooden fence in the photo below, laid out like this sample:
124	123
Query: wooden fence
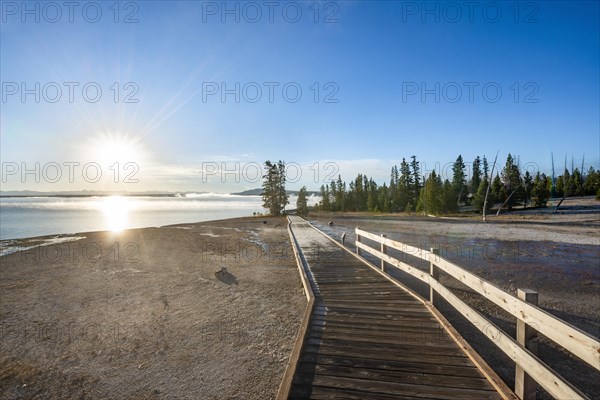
288	376
530	318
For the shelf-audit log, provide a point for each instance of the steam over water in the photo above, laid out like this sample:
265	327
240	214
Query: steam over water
37	216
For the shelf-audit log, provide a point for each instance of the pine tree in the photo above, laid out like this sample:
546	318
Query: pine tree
511	178
334	195
449	204
476	178
274	196
340	194
497	191
479	198
282	196
371	202
361	196
485	168
567	184
592	182
416	182
351	197
404	186
458	180
527	188
302	203
577	183
394	190
325	203
540	192
383	199
431	195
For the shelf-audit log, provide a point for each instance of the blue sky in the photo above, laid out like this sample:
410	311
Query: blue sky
370	61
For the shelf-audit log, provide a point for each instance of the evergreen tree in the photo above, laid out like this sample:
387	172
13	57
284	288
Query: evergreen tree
564	184
497	191
560	186
404	186
511	178
459	179
476	178
394	192
274	196
416	182
479	198
340	194
372	202
282	196
437	197
383	200
351	198
527	188
325	202
361	196
485	168
449	204
334	195
577	183
431	195
540	192
302	203
592	182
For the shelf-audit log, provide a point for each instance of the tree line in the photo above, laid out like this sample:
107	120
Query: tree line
408	190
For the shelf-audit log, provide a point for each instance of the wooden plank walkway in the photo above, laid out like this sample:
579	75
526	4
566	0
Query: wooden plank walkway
370	339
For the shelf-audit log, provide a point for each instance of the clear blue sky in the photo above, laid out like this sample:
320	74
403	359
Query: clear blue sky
372	57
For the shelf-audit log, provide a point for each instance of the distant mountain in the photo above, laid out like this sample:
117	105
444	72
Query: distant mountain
90	193
258	192
85	193
251	192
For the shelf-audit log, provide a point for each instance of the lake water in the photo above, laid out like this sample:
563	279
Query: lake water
37	216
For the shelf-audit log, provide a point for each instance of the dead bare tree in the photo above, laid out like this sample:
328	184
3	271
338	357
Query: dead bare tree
565	188
487	191
506	201
559	203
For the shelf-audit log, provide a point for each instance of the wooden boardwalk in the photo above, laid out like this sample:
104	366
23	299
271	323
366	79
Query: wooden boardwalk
370	339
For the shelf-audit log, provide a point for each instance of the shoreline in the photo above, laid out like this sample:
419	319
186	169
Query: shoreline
155	303
107	231
24	218
146	314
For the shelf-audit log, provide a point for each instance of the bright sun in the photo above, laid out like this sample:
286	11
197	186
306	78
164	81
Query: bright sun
111	148
115	210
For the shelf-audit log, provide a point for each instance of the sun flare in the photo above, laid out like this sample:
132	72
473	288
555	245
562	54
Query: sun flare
115	210
115	147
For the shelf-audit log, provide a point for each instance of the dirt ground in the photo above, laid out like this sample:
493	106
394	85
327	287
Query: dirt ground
557	255
144	314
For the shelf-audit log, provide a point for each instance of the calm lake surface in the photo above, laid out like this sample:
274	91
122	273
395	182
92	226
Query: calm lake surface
38	216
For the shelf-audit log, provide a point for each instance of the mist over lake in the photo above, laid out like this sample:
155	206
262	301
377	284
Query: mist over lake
37	216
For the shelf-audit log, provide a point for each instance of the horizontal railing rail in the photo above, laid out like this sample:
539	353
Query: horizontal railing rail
530	318
286	382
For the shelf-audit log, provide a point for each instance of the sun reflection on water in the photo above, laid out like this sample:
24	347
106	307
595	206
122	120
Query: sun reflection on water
115	210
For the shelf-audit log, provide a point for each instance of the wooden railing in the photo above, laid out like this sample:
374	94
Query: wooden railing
530	318
288	376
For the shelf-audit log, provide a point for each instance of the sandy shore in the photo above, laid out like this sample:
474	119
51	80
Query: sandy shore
143	314
557	255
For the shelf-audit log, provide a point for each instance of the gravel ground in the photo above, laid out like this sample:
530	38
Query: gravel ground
557	255
143	314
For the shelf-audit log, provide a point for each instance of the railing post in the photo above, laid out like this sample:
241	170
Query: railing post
384	251
358	241
434	271
525	387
